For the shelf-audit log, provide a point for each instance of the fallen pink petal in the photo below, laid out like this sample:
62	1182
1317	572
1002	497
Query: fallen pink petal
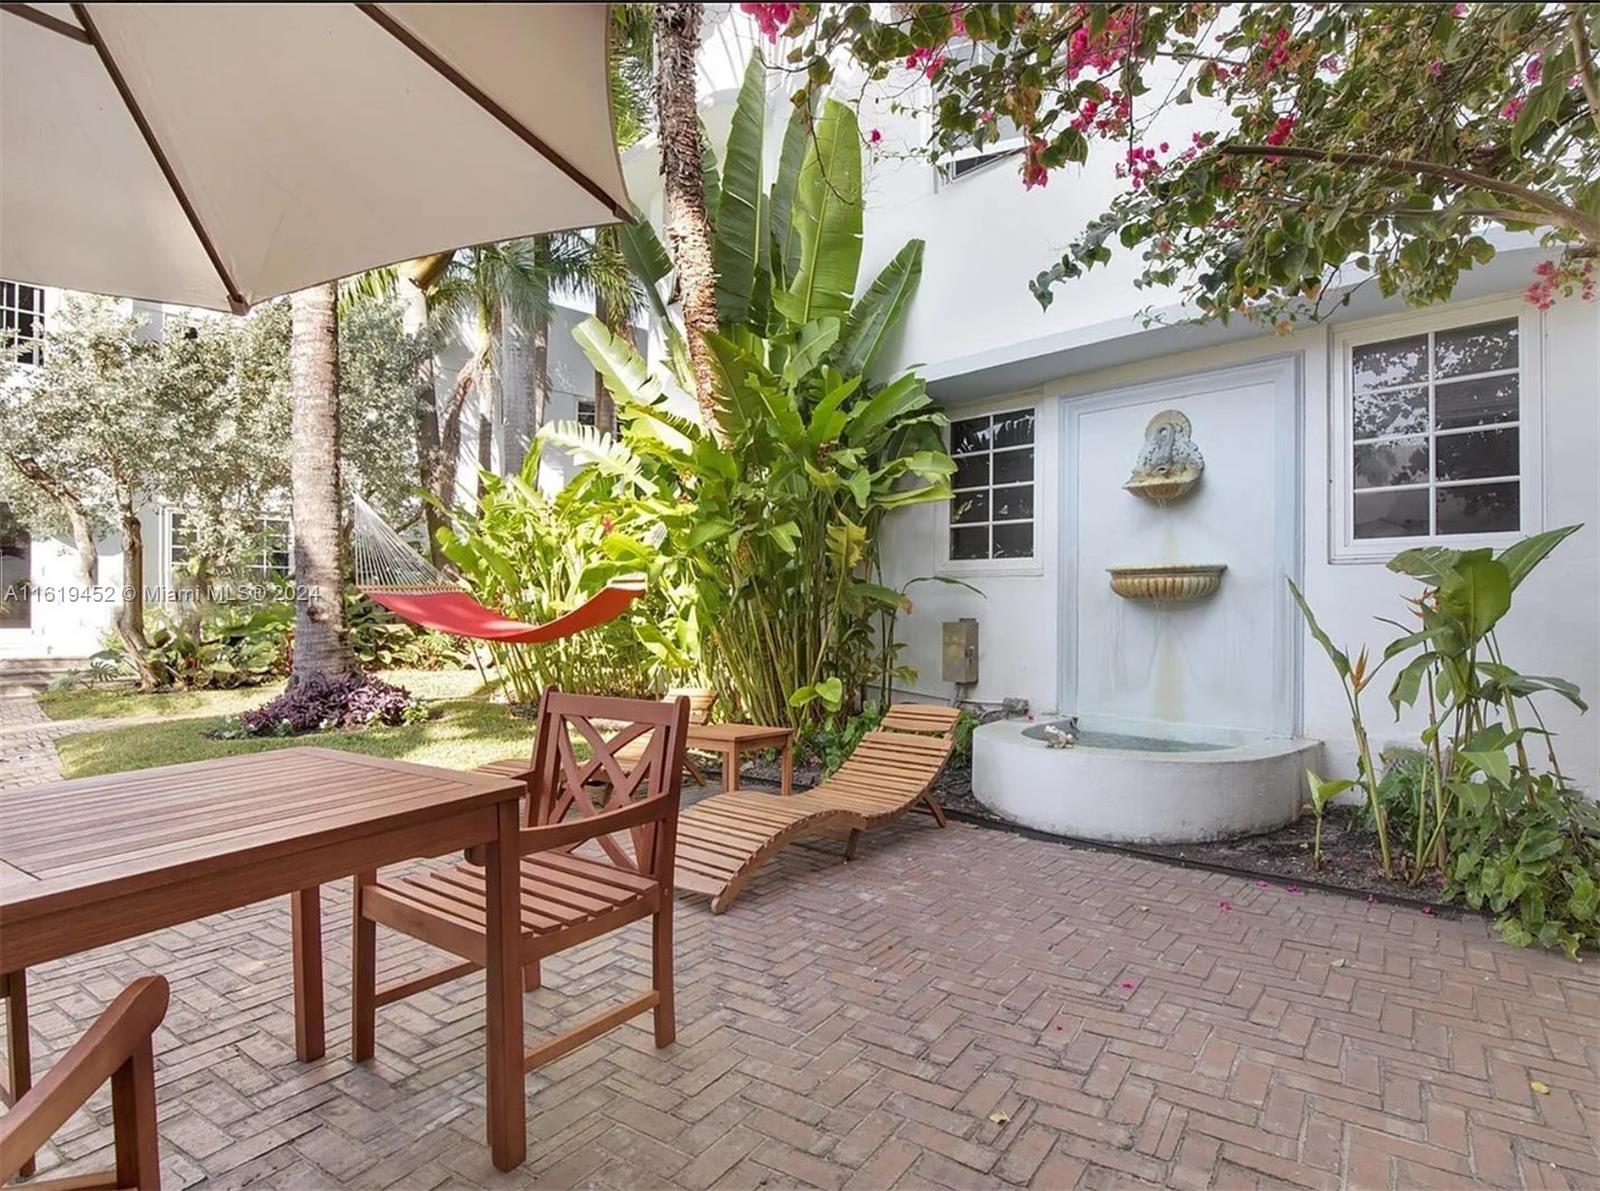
1224	906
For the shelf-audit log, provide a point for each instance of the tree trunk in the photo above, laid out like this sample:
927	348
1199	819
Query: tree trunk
538	374
427	402
677	37
321	639
605	410
129	618
77	516
488	385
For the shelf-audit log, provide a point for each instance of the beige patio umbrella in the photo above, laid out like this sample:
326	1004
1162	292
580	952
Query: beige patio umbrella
217	155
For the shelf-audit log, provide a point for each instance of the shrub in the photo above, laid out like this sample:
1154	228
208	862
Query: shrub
322	704
1472	804
219	646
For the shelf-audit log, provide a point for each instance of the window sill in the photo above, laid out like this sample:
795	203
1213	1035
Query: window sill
1365	553
991	568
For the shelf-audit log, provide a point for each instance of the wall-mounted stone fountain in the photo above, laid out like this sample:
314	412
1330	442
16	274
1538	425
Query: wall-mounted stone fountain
1175	720
1168	468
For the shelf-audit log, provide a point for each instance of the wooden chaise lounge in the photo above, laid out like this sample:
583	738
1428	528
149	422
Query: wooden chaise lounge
724	839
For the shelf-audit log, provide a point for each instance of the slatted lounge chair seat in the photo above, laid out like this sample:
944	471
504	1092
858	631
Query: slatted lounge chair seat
724	839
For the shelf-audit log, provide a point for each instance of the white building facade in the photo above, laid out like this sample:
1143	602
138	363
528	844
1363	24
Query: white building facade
1327	451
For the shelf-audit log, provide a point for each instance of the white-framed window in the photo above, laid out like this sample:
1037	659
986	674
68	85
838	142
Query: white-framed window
1006	140
267	556
22	321
992	511
1437	425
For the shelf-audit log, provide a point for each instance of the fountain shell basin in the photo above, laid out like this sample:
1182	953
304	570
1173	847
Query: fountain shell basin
1172	583
1135	790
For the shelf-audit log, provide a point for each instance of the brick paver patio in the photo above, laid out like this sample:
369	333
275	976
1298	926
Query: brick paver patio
964	1008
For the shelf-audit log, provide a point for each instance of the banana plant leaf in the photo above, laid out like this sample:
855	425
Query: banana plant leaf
737	242
827	217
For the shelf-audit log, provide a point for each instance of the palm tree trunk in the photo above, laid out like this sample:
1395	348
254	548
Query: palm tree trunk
538	372
488	384
321	638
605	410
427	415
677	37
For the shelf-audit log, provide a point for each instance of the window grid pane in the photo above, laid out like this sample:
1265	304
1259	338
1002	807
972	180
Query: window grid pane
991	513
1409	480
22	320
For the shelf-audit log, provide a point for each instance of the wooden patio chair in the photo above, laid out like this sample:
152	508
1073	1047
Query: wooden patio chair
568	897
724	839
700	703
116	1048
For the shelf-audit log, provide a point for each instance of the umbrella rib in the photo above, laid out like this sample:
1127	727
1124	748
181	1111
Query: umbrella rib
478	96
45	21
235	299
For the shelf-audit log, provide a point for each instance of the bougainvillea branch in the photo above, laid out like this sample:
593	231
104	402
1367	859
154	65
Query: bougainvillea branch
1340	142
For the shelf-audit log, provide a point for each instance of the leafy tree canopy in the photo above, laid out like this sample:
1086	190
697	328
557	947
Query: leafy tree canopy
196	416
1383	138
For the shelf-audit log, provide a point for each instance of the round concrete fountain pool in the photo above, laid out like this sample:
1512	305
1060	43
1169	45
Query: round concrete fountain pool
1139	789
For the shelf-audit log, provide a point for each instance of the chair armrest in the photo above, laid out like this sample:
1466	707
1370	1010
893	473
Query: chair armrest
575	831
520	769
121	1031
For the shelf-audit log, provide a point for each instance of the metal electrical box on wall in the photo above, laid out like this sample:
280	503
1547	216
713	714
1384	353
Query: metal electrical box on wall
961	650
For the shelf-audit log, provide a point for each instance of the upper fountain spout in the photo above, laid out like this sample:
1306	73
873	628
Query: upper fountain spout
1169	464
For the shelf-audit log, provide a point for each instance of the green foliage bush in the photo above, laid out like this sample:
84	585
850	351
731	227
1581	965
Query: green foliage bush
765	525
1470	803
534	557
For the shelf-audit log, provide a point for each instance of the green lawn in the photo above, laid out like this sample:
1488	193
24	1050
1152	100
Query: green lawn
466	729
119	703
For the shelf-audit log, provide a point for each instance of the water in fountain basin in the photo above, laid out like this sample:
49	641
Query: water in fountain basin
1116	740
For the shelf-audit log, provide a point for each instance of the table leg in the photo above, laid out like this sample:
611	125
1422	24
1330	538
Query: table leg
508	1130
730	767
310	1036
18	1057
786	772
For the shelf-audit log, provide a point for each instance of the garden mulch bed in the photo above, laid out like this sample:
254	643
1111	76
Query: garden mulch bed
1350	860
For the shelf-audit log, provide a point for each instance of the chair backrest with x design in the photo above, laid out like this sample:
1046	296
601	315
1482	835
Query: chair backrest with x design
578	754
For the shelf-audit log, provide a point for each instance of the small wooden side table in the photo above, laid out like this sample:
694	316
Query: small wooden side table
732	741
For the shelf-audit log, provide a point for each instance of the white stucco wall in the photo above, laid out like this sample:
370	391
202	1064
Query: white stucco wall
1554	627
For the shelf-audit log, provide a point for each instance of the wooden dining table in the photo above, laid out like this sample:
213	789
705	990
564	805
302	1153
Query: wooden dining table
94	861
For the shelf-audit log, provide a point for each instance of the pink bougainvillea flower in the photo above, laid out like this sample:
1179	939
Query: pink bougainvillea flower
1034	172
1282	130
1128	986
1428	910
1261	884
771	18
1435	68
1534	71
1224	906
1513	108
875	136
1459	11
1291	889
1372	899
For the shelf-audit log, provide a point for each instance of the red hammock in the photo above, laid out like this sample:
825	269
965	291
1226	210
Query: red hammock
391	573
458	613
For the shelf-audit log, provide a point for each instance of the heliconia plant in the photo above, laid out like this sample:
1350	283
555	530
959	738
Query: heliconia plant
772	511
